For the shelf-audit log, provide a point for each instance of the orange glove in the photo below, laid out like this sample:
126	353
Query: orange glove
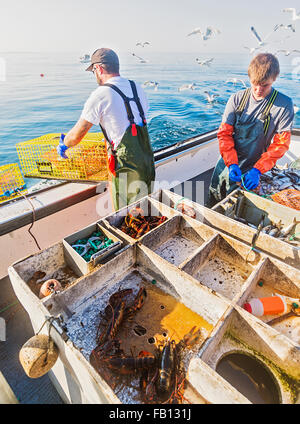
226	144
276	150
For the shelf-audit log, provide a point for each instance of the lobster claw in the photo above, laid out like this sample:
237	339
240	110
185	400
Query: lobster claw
137	304
191	337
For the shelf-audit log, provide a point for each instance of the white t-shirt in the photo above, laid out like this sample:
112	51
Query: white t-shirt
106	106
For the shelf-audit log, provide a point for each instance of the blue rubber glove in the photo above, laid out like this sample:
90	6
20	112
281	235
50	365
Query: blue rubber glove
235	174
61	148
251	179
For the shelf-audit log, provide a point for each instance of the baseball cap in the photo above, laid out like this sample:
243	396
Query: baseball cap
103	56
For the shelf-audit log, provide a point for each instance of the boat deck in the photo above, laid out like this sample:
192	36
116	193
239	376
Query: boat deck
19	330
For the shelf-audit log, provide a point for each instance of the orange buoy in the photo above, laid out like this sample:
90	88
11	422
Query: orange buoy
49	287
266	306
135	211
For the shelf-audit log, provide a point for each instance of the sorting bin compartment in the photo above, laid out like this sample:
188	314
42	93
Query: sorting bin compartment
150	208
178	239
181	293
76	261
223	264
273	375
274	278
174	304
251	208
219	219
45	265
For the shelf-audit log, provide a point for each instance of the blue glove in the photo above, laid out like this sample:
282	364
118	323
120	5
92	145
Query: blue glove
61	148
251	179
235	174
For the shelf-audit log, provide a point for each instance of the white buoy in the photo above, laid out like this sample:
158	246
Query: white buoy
38	355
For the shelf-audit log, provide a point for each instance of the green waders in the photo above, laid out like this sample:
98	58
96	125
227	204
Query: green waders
250	143
132	163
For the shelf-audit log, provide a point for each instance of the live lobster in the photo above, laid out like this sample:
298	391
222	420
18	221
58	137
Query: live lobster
136	224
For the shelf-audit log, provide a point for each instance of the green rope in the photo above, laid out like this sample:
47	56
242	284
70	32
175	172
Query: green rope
294	236
242	178
265	196
9	306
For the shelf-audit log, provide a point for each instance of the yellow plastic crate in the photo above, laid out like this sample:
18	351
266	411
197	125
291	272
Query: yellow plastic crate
86	162
12	184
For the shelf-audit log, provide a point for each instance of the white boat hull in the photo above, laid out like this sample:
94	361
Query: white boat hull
170	172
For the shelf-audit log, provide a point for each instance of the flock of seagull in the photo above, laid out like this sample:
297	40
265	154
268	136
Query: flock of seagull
211	32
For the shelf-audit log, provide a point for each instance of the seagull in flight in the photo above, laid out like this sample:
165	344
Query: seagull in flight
288	52
295	15
191	86
151	84
235	81
258	38
145	43
141	60
210	31
251	49
206	62
211	98
290	26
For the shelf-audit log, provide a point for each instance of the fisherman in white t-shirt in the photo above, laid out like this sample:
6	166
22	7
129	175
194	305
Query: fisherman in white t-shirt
119	106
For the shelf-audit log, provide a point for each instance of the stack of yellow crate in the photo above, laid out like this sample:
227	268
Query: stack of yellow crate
12	184
86	162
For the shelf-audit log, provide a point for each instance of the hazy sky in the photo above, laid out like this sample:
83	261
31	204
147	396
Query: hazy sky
82	26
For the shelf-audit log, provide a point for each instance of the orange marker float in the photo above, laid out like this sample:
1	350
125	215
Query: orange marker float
49	287
266	306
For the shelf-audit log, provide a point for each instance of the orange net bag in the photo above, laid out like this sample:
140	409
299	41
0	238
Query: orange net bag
289	197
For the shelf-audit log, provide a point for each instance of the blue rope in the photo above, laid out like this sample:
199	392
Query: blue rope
13	191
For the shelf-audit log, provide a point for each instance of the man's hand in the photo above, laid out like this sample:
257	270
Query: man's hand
235	174
251	179
61	148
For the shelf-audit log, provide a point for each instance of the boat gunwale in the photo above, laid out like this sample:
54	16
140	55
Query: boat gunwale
160	155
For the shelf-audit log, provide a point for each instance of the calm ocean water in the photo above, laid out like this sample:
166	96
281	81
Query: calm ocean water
31	105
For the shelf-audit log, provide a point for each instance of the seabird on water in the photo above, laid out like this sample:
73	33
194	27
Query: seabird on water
211	97
191	86
151	84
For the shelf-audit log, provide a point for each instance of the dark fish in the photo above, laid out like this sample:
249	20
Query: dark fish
274	232
285	186
267	229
